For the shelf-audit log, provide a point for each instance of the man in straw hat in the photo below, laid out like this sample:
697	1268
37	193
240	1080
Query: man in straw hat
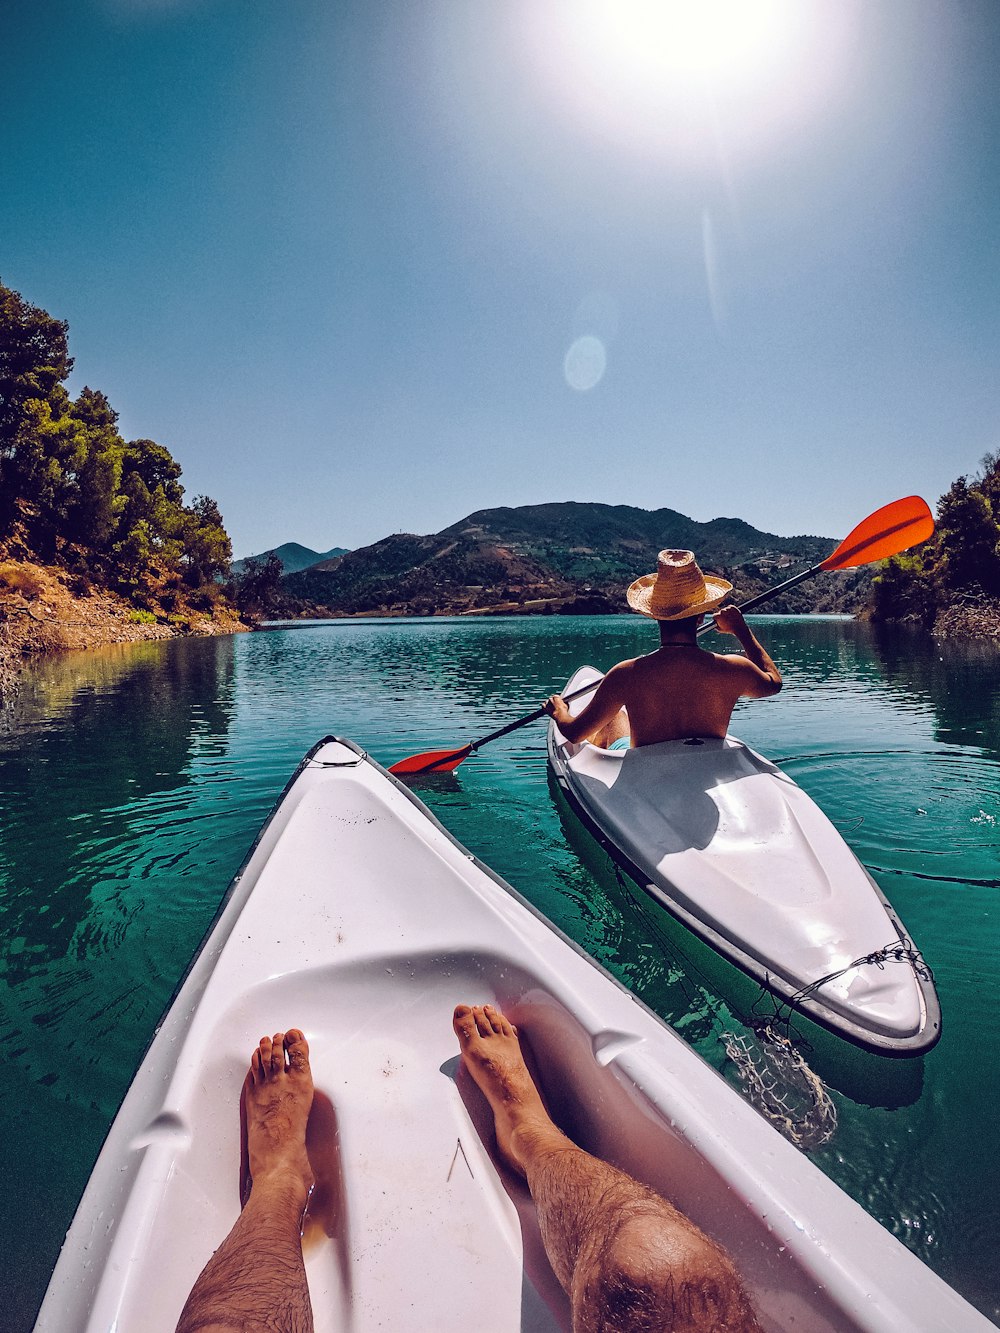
679	690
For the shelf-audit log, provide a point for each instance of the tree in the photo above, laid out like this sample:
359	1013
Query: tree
257	588
34	360
93	519
905	589
147	464
207	548
961	561
39	480
988	481
151	524
967	537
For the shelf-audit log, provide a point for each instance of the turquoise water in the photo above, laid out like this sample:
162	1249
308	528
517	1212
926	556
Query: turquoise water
134	779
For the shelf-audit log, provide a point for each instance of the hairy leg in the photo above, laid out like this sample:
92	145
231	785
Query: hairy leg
627	1259
256	1279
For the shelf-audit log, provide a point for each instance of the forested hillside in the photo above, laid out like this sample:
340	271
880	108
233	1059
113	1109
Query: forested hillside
951	584
73	490
568	557
97	543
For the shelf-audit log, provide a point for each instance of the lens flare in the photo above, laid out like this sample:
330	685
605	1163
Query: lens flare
585	363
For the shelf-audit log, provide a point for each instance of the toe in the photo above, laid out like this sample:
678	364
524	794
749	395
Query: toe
483	1024
278	1053
297	1048
464	1022
260	1059
496	1020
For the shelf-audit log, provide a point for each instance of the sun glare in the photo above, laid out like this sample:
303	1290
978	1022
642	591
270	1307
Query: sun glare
690	39
666	74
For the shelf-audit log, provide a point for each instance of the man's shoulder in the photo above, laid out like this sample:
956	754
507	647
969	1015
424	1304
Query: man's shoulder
626	665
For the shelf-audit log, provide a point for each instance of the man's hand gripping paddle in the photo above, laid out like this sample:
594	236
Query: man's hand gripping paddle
893	528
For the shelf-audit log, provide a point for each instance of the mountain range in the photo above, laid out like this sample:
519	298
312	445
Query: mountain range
568	557
293	557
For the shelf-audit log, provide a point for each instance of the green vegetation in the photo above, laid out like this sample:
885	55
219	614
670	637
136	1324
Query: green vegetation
258	588
952	583
74	492
572	558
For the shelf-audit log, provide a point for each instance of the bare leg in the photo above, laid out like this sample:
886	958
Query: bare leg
256	1280
611	731
627	1259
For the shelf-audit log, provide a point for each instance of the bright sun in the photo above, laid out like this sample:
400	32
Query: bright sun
648	72
689	39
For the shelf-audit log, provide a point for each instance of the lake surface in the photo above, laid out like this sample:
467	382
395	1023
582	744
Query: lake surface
134	779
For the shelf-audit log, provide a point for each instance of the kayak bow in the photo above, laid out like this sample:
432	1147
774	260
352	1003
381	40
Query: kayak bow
360	919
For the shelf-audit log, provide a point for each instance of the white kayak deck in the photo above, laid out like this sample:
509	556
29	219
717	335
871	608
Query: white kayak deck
358	919
737	850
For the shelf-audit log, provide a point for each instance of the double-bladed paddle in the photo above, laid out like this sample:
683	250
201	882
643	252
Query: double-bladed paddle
893	528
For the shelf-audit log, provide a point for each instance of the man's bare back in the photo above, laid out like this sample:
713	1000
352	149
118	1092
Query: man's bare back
679	690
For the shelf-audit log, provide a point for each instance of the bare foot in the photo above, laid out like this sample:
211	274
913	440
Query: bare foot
492	1055
277	1096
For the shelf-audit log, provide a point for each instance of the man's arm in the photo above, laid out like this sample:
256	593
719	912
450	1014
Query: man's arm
608	698
765	678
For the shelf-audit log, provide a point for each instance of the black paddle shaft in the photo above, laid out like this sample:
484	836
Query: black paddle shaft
532	717
768	594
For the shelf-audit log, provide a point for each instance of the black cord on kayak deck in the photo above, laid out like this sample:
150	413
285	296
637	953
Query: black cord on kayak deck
773	1073
899	951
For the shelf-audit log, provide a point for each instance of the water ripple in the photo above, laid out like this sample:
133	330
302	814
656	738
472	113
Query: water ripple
133	783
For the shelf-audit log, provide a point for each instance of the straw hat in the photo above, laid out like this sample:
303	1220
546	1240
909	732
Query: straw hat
677	589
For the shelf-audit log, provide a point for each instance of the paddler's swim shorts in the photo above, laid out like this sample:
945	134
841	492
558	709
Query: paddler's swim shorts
622	743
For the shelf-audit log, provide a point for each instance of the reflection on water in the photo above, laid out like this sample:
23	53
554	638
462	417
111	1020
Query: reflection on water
102	749
954	676
134	780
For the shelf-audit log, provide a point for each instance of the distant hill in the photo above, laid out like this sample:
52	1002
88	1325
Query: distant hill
293	557
565	557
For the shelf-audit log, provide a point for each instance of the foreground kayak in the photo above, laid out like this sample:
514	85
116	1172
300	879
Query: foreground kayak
360	919
733	848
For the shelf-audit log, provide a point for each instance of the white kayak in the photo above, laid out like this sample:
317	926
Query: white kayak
734	849
360	919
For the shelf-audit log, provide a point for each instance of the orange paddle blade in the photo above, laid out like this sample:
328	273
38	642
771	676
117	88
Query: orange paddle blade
891	529
433	761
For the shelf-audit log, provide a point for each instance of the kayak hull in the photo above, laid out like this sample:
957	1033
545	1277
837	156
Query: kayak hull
731	847
359	919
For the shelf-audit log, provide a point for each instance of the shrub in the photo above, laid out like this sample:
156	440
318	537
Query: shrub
206	598
25	579
142	617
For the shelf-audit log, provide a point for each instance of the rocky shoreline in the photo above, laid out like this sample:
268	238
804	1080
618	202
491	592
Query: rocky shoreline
44	615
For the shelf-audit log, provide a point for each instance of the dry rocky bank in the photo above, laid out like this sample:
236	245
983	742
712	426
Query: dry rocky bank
41	611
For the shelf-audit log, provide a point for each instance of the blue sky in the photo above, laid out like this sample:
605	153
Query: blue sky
340	257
